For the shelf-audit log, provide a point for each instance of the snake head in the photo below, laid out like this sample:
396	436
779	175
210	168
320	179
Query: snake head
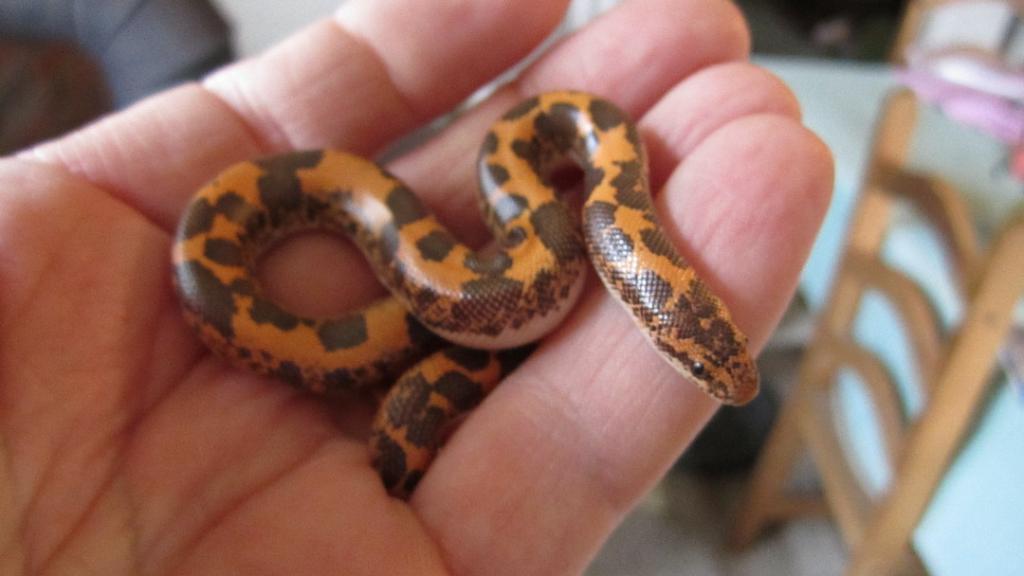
712	352
734	381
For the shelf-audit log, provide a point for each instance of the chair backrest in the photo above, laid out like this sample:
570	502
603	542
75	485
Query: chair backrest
954	368
888	184
953	363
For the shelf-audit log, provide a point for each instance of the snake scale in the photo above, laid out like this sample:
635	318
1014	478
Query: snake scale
472	314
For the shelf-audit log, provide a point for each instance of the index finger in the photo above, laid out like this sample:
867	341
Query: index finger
356	81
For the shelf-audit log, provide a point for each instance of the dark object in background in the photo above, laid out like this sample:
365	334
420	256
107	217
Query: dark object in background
65	62
861	29
848	29
142	46
809	13
46	88
732	440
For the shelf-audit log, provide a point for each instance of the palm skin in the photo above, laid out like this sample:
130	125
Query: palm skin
127	449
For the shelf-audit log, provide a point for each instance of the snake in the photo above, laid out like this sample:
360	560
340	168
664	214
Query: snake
456	320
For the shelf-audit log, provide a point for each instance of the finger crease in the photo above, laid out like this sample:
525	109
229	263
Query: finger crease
259	138
77	171
191	545
405	100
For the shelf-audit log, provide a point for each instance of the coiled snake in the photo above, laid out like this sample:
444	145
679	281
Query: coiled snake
491	304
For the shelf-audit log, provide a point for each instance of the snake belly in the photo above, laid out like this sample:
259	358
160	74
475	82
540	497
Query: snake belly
502	297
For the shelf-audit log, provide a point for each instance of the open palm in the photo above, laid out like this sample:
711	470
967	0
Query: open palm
125	448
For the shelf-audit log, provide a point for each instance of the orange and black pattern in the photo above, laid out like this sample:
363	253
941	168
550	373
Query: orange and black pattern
687	323
424	405
227	228
500	298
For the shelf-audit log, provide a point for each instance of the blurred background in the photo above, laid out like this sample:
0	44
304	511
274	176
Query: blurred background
888	437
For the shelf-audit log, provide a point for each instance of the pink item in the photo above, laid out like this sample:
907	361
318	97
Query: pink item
973	89
995	114
1001	118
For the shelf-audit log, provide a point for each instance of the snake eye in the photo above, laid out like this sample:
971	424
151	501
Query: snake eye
697	369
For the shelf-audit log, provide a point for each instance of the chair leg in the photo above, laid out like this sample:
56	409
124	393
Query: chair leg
766	490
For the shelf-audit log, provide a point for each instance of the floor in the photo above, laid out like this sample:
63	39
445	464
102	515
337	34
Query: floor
683	526
680	529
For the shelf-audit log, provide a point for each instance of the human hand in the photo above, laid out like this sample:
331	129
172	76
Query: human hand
127	448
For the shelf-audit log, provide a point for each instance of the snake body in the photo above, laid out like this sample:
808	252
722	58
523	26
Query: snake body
503	297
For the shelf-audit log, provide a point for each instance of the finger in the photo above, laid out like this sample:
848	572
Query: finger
709	99
403	62
679	37
559	452
356	81
637	51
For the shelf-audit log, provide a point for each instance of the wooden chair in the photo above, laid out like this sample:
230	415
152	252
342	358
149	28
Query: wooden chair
954	367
